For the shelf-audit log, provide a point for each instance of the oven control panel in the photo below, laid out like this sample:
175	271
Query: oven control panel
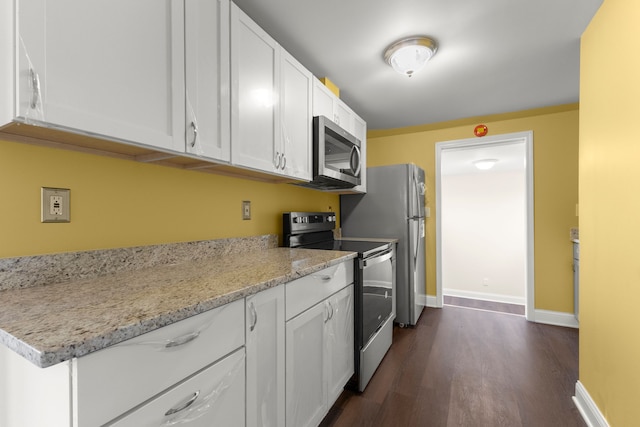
307	222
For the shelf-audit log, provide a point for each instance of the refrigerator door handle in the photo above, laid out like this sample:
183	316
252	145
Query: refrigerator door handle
417	189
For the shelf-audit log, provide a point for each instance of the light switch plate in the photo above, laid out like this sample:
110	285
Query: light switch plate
55	205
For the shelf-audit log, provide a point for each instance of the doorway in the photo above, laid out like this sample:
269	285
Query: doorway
484	219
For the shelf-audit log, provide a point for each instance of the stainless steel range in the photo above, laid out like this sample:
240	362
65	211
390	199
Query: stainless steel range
375	272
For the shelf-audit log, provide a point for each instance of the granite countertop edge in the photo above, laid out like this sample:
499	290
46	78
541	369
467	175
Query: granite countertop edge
45	356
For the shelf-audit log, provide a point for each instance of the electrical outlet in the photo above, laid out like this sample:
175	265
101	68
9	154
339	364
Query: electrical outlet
55	205
246	209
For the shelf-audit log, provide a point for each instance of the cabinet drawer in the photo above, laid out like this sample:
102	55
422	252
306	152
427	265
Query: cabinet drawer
307	291
110	382
214	397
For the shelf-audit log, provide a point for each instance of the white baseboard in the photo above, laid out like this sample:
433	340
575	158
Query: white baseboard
430	301
556	318
588	408
484	296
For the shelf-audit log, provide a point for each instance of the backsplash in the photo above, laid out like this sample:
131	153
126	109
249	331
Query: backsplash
24	272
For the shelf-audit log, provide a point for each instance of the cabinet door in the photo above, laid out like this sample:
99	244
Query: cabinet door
340	345
344	115
265	358
322	100
306	366
207	78
295	118
214	397
115	69
254	95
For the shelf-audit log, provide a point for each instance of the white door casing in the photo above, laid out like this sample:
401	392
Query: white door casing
512	138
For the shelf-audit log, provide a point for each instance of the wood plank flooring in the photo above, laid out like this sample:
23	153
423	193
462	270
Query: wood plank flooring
462	367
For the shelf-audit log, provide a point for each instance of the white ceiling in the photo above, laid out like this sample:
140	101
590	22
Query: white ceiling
494	56
511	157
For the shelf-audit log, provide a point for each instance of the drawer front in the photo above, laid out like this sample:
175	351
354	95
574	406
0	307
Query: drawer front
214	397
110	382
307	291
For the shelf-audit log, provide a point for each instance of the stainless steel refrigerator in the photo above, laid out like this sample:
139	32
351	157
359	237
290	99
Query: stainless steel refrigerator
393	207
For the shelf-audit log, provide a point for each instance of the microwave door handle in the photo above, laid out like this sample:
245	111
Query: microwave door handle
355	150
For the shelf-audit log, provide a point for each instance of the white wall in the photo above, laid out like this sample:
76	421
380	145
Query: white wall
484	235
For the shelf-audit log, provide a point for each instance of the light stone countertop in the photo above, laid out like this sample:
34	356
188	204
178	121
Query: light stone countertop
50	324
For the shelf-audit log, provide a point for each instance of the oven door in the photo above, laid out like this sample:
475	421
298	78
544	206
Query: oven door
377	299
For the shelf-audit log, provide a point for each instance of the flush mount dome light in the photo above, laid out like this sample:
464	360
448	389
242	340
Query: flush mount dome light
485	164
409	55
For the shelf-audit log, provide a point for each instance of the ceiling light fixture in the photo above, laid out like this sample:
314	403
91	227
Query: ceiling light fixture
409	55
485	164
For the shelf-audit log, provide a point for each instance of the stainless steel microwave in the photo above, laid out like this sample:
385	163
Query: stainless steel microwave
336	156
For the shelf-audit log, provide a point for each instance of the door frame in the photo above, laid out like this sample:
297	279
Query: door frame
509	138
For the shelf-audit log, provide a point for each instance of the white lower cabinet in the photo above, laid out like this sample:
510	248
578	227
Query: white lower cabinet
340	342
265	358
307	367
213	397
320	353
254	362
110	382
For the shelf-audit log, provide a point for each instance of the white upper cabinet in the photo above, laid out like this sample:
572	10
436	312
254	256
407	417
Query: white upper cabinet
254	95
113	69
326	103
207	79
323	100
295	117
270	103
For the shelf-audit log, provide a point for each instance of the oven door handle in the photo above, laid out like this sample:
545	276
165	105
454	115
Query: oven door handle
378	259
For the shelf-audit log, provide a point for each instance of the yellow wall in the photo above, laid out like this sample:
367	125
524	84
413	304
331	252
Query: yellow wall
120	203
610	211
555	135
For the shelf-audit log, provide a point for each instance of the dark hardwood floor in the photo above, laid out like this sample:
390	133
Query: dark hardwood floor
465	367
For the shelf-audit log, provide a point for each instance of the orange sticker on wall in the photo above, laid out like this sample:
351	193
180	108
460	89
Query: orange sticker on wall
480	130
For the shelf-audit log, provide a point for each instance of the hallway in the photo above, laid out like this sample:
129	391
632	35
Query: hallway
466	367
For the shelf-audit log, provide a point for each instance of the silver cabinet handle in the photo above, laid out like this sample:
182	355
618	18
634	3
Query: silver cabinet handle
331	307
278	159
195	134
326	312
254	316
184	405
35	88
182	340
284	162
